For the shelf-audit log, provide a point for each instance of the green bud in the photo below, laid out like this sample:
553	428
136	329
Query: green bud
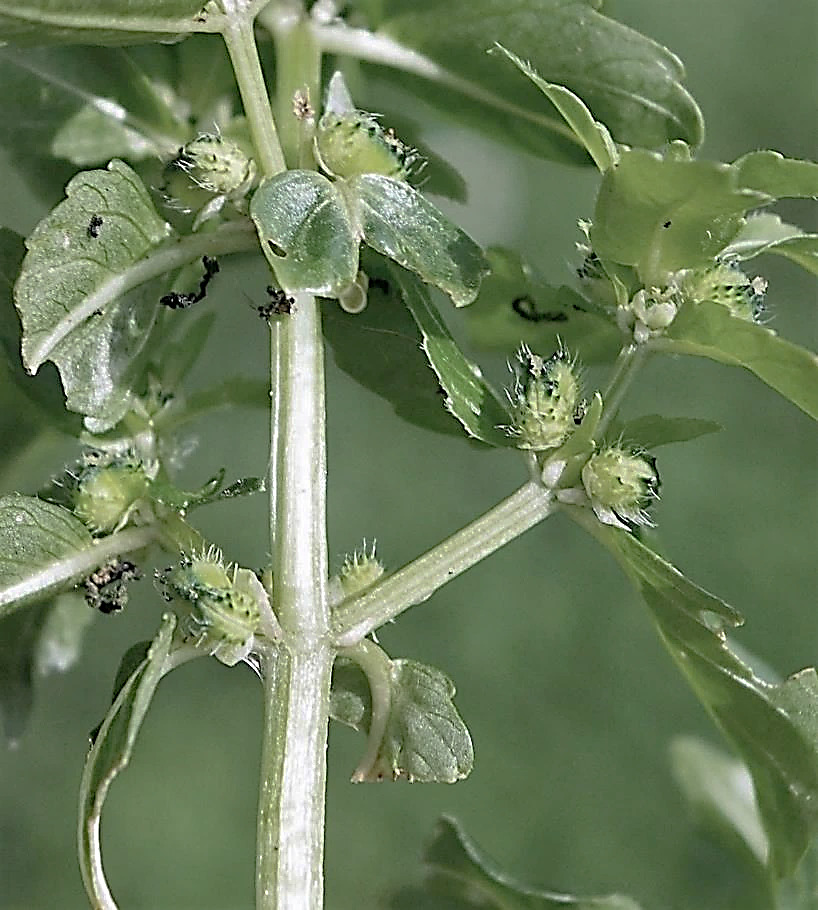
107	490
621	485
726	284
545	400
649	312
360	571
354	142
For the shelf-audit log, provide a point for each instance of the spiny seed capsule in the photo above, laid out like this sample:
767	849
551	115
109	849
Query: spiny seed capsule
360	571
209	166
222	615
621	485
106	491
726	284
544	400
354	142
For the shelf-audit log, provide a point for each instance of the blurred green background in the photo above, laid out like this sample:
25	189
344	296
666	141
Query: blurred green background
569	696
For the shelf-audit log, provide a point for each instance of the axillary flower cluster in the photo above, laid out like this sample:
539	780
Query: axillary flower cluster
552	420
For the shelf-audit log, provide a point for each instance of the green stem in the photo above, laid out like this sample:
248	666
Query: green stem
631	359
241	45
418	580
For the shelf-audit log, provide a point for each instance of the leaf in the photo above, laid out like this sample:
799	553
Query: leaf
396	221
709	330
773	727
516	306
767	233
424	739
660	214
84	21
776	176
591	133
43	392
459	876
629	82
380	348
719	788
38	542
68	273
798	891
86	105
653	430
111	752
19	634
306	232
469	397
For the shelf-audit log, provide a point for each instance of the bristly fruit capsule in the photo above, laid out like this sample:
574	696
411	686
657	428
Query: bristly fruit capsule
354	142
225	614
207	173
727	285
621	484
545	400
107	490
360	571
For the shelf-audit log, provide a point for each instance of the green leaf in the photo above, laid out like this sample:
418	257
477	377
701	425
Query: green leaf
469	397
773	727
720	790
380	348
653	430
68	275
660	214
767	233
396	220
111	752
798	891
631	83
306	232
710	330
19	634
591	133
424	738
516	306
38	545
85	21
776	176
460	876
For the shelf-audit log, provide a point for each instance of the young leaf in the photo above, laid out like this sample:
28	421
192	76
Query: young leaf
653	430
710	330
719	788
396	220
591	133
64	294
469	397
380	348
39	543
460	876
306	232
776	176
84	21
660	214
629	82
515	305
111	752
424	739
773	727
767	233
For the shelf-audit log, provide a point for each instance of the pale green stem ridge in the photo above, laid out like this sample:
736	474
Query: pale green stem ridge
63	573
241	45
232	237
376	48
375	663
418	580
631	359
290	835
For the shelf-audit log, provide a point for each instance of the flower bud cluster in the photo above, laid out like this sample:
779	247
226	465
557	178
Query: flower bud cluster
360	571
726	284
354	142
649	312
621	484
545	400
225	612
107	490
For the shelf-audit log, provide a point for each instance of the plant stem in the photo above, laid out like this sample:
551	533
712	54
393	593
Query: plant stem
418	580
631	359
241	45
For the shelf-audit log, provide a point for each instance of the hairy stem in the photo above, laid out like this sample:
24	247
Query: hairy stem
420	579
